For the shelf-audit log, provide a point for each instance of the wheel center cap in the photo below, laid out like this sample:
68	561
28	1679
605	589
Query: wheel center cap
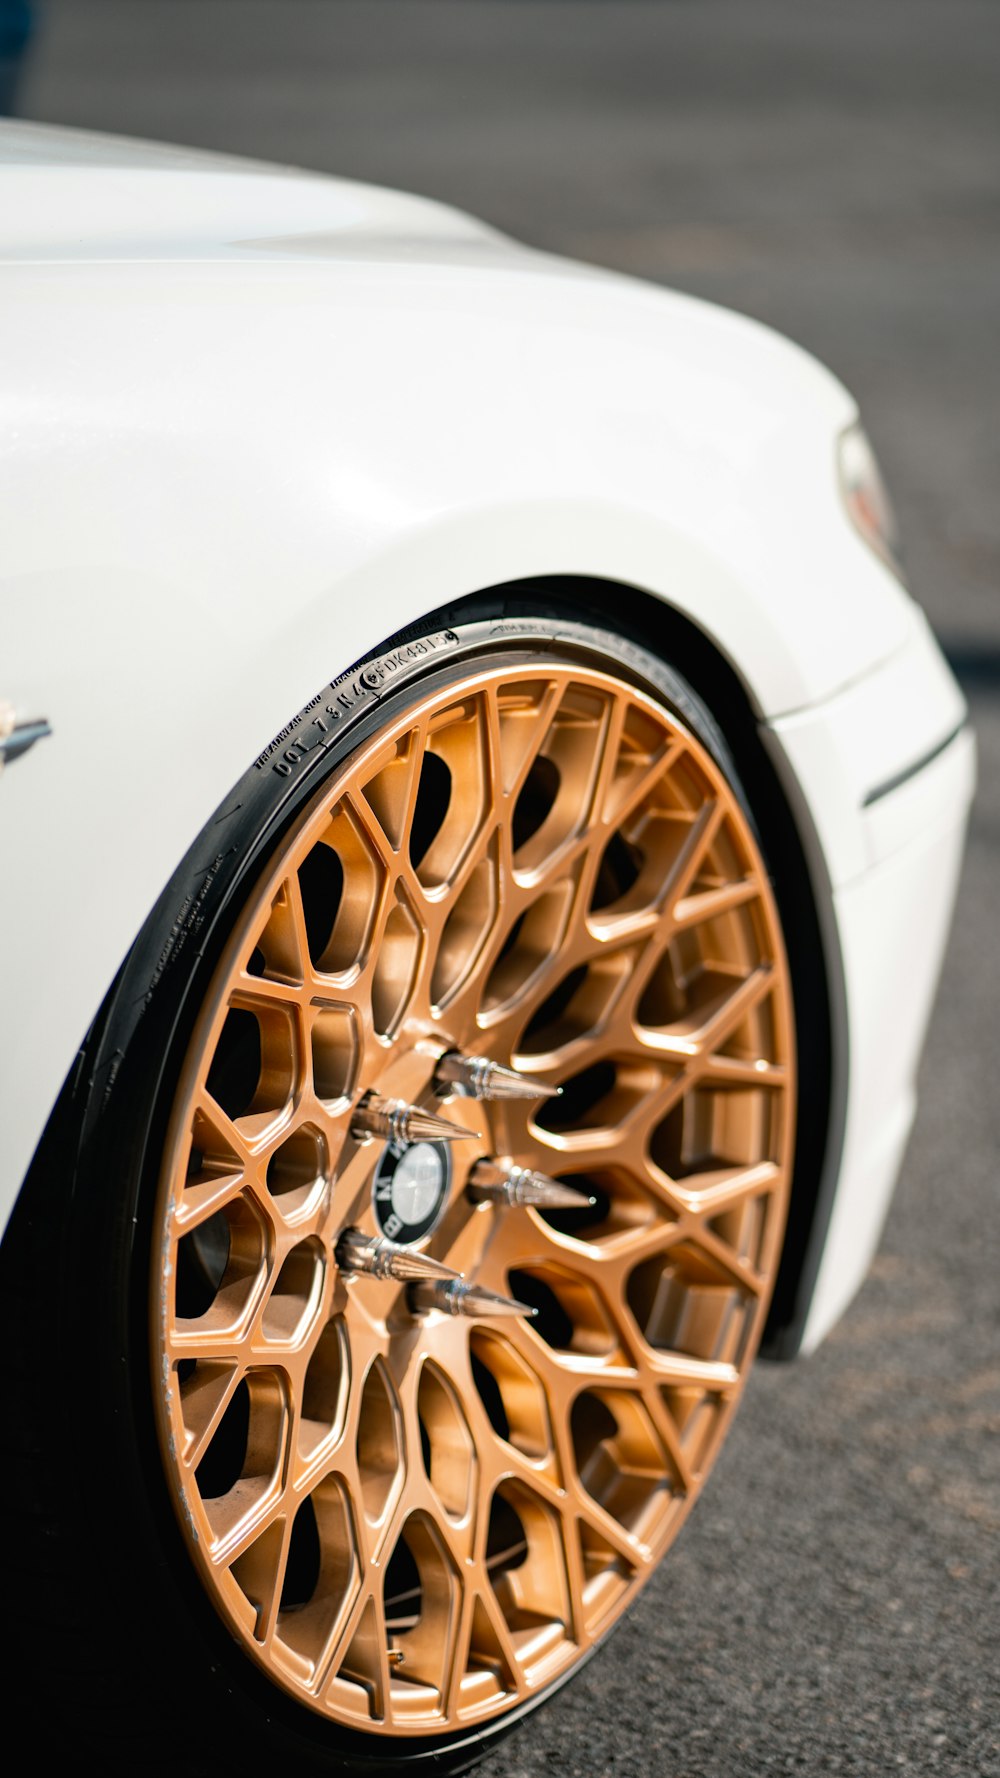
410	1189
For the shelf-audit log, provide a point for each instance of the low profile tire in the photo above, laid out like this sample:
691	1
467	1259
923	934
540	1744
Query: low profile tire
278	1507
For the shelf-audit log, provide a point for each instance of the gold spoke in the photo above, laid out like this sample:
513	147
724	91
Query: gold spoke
484	1599
645	781
703	831
191	1341
361	1649
268	1611
248	1529
744	999
208	1117
709	1194
263	991
205	1198
548	704
383	847
479	850
574	1501
630	1549
289	914
690	909
203	1406
608	1263
386	799
739	1270
739	1071
679	1369
609	752
663	1425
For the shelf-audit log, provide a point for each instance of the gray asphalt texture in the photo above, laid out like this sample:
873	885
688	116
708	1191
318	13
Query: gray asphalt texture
833	170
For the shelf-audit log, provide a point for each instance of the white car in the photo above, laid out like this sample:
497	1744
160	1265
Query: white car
480	822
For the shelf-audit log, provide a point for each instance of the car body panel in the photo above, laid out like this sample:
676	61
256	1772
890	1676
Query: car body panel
253	422
893	923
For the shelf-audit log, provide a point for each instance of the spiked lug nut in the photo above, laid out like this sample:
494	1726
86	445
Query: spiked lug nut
458	1298
500	1182
481	1078
402	1124
381	1258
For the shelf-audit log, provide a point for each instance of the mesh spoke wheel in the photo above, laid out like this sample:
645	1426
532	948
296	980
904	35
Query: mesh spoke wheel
414	1522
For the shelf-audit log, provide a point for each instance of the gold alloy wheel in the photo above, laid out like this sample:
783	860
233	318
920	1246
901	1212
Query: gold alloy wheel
415	1516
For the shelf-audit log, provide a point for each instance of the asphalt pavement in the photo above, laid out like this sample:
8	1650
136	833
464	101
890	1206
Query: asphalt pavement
834	170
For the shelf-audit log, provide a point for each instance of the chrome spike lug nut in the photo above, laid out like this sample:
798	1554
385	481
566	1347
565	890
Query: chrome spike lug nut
402	1124
481	1078
381	1258
500	1182
466	1299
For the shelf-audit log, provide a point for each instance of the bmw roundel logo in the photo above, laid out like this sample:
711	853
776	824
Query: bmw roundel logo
410	1189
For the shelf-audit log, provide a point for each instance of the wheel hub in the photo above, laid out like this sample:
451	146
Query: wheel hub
411	1188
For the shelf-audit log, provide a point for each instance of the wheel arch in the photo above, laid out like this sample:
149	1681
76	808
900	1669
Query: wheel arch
650	619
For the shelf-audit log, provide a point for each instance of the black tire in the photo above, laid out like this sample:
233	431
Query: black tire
120	1652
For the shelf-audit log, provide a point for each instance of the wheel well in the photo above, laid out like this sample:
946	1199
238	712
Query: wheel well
645	619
